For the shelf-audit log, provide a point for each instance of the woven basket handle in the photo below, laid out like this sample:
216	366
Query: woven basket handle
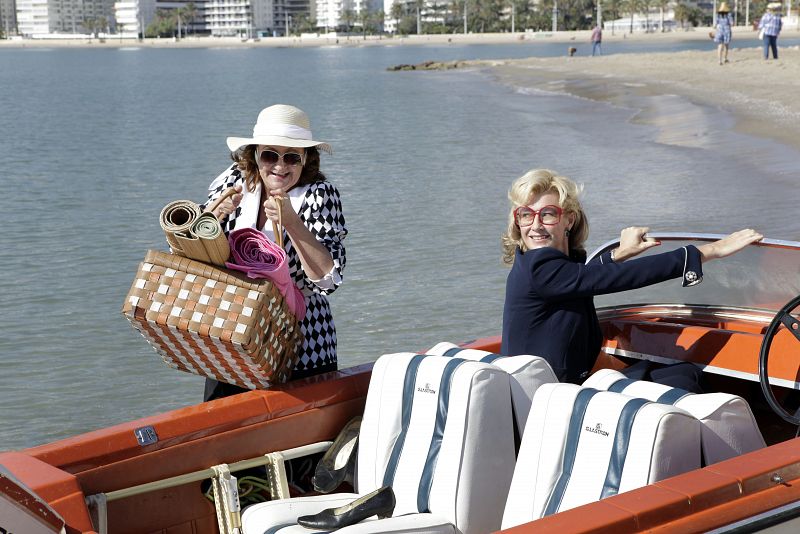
277	227
225	194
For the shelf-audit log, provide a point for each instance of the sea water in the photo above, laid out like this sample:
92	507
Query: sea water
96	142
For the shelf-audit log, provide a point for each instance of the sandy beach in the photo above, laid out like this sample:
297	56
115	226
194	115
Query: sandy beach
762	95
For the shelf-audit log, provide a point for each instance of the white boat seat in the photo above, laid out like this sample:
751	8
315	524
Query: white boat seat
729	427
527	373
439	431
581	445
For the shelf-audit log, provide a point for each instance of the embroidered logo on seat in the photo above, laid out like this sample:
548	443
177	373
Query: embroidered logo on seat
598	429
426	389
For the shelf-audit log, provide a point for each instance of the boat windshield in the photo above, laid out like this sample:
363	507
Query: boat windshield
764	276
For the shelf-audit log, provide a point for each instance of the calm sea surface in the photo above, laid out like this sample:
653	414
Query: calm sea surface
96	142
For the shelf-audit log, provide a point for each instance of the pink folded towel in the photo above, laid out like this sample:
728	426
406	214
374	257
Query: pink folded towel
254	254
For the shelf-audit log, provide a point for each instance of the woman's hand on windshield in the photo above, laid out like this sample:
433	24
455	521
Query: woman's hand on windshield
632	242
729	245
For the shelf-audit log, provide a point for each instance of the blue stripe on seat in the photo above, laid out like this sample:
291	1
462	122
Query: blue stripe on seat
621	384
673	395
424	492
407	403
489	358
619	451
570	449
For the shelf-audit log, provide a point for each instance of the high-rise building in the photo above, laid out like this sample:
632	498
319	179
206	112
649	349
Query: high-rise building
133	16
36	18
8	17
250	18
330	14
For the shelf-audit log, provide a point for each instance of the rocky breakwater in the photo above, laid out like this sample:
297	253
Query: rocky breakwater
434	65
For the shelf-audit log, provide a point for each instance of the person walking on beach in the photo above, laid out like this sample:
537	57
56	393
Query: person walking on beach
771	25
597	39
722	35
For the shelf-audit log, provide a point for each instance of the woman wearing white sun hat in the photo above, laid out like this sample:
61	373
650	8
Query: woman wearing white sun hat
771	25
282	160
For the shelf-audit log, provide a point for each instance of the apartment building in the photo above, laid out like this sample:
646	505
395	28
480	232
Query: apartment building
133	16
251	18
330	14
39	18
8	17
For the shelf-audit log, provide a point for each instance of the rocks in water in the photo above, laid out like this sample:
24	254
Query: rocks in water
431	65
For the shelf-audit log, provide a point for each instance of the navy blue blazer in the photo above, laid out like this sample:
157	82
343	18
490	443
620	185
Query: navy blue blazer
549	308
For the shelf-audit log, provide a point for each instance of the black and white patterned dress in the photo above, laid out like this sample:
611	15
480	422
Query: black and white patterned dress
320	210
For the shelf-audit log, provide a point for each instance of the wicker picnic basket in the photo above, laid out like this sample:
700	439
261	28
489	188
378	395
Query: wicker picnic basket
213	322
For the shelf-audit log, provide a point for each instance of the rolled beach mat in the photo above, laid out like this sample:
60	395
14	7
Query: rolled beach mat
253	253
178	217
209	232
191	246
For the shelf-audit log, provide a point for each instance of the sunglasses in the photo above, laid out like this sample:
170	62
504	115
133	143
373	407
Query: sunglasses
548	215
270	157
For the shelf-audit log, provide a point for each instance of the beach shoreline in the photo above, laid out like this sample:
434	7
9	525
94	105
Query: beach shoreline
322	40
760	94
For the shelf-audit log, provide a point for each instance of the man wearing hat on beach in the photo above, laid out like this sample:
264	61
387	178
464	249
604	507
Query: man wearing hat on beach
771	25
276	175
722	35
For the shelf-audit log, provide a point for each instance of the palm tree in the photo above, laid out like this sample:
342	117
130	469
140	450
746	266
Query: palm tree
190	13
95	25
682	13
397	13
662	5
419	4
631	6
645	6
348	18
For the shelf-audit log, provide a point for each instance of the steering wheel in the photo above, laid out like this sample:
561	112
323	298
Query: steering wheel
783	317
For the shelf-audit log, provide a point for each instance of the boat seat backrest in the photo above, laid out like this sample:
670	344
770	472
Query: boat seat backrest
439	430
527	374
729	427
581	445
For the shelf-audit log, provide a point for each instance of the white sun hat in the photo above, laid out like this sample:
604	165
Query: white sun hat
280	125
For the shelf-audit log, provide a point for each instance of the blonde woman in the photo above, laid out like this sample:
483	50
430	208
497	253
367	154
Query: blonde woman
549	309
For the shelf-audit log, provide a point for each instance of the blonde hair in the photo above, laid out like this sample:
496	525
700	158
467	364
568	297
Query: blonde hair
539	182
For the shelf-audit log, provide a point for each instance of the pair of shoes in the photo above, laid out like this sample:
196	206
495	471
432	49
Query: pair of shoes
380	502
339	460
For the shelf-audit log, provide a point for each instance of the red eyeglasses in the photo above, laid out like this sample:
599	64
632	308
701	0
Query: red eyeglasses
548	215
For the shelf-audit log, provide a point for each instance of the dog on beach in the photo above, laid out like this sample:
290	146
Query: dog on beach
571	51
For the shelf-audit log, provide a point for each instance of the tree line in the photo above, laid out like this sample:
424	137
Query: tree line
456	16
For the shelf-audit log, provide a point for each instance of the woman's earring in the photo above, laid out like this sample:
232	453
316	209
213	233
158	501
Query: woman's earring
566	232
